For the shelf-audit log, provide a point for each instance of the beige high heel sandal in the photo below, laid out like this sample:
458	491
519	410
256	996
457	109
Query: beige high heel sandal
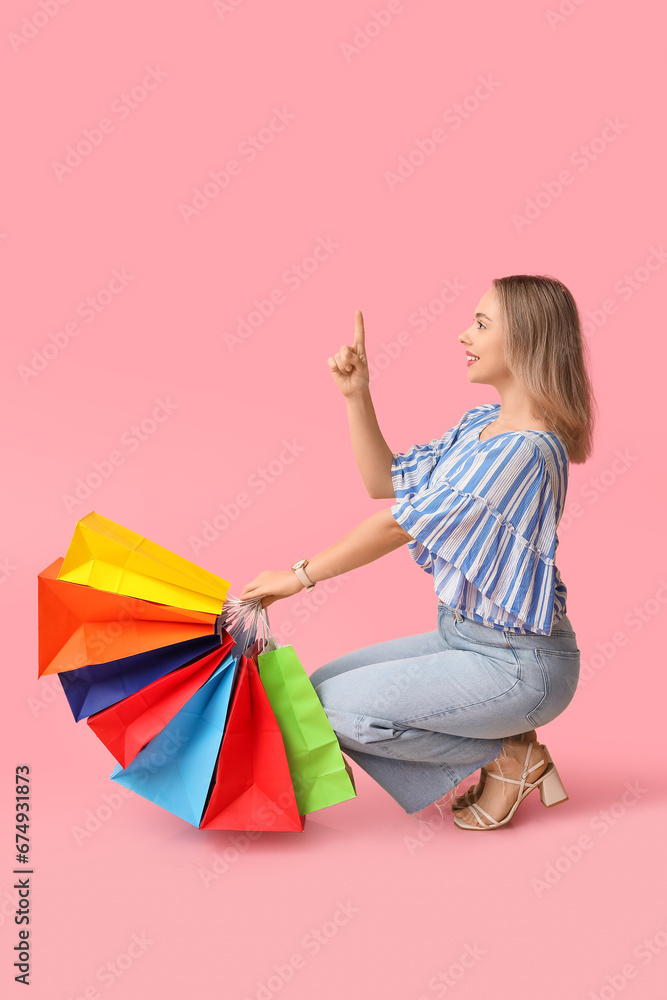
551	791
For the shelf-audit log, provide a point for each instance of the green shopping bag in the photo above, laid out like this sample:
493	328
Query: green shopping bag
320	775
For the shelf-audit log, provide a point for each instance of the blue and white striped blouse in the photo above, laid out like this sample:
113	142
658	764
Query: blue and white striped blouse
483	517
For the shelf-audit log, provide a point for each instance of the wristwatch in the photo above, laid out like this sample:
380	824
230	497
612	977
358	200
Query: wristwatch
299	568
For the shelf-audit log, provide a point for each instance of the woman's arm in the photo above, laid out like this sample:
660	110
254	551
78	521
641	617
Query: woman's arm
349	369
378	535
371	451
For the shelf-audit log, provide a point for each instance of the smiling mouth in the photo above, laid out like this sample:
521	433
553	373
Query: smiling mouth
472	358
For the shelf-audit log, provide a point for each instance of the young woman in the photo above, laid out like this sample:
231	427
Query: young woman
479	509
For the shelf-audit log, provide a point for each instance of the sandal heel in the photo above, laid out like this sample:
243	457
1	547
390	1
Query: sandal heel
552	790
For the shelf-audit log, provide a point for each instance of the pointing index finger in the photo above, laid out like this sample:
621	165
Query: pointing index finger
359	333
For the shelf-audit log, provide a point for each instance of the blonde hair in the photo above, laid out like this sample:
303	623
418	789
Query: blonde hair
545	351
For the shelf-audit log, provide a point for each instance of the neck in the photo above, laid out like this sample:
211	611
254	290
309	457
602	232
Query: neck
515	408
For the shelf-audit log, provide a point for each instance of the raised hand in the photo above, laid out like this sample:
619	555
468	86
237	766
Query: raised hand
349	367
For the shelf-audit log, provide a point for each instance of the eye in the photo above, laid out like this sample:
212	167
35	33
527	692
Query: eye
480	324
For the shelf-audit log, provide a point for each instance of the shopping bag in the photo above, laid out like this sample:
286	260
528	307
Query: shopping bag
93	688
109	613
252	787
127	726
107	556
79	625
319	773
174	769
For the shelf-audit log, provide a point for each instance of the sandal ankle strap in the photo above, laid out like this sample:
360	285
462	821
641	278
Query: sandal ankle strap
526	770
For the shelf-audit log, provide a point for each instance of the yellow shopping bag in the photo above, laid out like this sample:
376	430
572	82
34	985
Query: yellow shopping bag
108	556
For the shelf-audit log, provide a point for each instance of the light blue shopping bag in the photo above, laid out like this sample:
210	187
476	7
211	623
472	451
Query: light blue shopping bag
175	769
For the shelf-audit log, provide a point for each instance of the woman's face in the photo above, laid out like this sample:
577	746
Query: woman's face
484	338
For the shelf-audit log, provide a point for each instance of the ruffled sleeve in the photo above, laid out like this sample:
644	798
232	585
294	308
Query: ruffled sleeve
410	474
494	517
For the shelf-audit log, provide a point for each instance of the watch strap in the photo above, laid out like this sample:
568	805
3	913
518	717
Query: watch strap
303	577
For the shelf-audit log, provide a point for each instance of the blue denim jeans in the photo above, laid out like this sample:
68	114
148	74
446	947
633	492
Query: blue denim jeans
422	712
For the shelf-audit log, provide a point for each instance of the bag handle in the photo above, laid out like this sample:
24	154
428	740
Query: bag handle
246	621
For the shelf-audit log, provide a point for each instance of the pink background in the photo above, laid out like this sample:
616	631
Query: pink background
564	898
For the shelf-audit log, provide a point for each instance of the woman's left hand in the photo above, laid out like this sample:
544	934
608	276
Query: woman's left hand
271	585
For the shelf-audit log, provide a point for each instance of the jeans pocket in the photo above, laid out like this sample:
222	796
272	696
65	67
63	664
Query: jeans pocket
560	676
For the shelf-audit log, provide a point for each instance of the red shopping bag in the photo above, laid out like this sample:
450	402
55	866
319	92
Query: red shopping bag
128	725
252	787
